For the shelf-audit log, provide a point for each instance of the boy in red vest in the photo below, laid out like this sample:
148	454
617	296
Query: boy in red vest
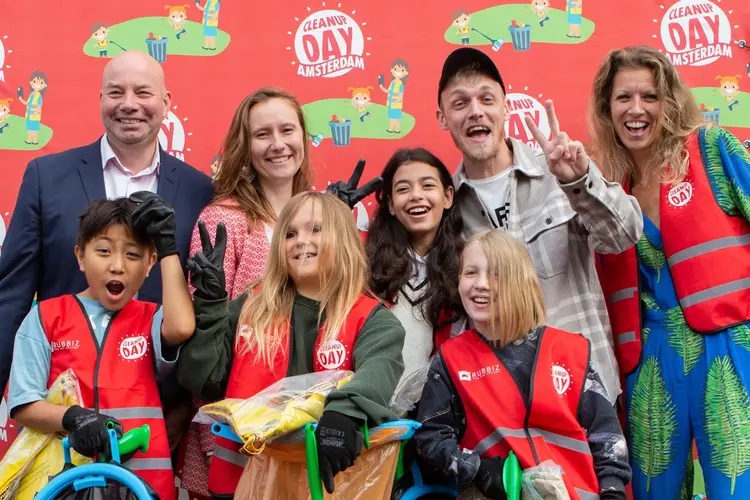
116	345
514	383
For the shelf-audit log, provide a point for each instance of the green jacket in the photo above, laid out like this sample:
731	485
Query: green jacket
206	360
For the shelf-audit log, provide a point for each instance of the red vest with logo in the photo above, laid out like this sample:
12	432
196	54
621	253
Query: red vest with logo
117	378
708	254
249	377
497	419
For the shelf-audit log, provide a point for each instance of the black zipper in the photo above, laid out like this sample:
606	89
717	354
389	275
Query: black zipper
531	398
290	344
99	348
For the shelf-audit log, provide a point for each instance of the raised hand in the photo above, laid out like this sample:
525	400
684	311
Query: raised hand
348	192
207	267
567	160
156	218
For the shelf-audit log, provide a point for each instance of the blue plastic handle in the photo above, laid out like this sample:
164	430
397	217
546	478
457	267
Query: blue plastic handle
225	431
113	442
92	475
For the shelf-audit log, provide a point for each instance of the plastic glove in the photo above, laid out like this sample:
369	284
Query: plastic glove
489	478
87	430
339	445
207	267
348	192
156	218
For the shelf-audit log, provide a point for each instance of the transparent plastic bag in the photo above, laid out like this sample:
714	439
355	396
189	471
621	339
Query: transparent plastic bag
544	482
35	456
409	391
278	410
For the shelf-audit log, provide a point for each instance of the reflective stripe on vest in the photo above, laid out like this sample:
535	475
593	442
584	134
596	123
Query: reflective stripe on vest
708	246
624	294
715	292
502	433
137	412
233	457
149	463
587	495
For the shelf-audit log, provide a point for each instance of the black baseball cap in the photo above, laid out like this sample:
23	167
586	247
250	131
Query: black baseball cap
467	56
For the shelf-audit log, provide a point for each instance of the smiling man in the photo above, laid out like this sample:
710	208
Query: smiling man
37	252
554	199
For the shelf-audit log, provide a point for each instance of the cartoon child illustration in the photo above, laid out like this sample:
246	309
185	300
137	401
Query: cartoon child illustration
215	166
4	113
395	91
729	86
461	19
574	8
38	85
99	33
541	7
361	100
210	22
177	16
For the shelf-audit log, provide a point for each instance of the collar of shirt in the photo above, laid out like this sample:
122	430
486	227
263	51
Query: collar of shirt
524	160
110	158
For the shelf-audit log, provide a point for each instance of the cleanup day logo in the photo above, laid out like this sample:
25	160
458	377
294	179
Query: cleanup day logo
132	348
696	33
680	195
329	43
519	105
172	135
560	379
3	420
331	354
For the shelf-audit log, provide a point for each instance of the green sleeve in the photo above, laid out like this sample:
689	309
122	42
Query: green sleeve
378	365
206	359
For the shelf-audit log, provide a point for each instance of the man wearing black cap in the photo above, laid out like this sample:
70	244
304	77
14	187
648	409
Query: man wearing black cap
555	200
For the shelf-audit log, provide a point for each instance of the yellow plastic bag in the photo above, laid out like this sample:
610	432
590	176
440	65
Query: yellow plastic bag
34	456
282	408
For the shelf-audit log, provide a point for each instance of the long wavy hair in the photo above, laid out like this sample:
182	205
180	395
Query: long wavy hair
680	117
389	249
516	302
237	181
264	318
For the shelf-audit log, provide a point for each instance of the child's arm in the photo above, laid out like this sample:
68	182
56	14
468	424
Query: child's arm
608	447
179	317
442	417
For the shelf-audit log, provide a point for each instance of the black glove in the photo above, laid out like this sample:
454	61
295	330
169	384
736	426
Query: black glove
489	478
156	218
348	192
207	267
87	430
339	444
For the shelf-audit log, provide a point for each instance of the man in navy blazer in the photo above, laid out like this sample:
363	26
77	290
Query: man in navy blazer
37	255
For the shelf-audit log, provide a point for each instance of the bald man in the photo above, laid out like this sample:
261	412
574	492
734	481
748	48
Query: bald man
37	255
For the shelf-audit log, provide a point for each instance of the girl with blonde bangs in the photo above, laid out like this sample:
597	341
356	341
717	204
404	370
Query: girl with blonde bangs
513	383
677	300
311	311
343	278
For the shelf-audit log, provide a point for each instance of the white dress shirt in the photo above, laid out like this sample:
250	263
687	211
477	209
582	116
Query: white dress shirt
120	182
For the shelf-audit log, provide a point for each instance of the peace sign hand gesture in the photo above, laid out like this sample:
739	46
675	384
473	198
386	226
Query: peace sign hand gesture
567	160
207	267
348	192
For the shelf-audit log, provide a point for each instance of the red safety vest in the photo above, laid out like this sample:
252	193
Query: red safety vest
708	254
498	420
116	378
248	378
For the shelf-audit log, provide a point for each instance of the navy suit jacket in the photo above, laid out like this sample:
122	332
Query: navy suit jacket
37	254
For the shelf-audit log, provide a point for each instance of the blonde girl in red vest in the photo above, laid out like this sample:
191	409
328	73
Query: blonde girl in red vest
679	302
514	383
311	311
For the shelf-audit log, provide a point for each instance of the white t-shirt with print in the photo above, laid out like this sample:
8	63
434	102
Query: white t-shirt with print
494	192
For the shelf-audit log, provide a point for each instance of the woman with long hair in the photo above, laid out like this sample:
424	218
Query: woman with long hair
678	301
265	160
313	298
413	246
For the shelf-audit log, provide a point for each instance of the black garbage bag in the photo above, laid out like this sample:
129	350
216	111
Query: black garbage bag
112	491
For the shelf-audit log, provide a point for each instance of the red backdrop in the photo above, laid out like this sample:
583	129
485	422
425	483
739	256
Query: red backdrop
303	47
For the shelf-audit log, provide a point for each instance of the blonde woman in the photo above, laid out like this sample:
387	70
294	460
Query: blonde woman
312	298
678	301
513	383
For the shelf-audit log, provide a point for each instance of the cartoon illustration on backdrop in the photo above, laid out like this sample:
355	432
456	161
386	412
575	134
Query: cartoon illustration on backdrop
361	101
161	35
518	106
395	92
38	84
172	135
695	32
215	166
210	22
328	43
176	16
2	56
536	21
729	87
721	104
574	9
4	113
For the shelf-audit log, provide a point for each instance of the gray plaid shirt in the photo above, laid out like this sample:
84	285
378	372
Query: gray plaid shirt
562	226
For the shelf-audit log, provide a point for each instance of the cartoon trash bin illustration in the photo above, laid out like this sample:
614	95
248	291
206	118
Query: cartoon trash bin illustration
520	34
341	131
157	47
710	113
